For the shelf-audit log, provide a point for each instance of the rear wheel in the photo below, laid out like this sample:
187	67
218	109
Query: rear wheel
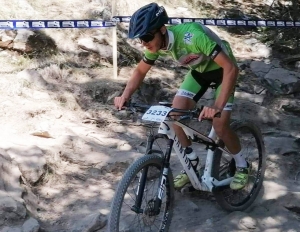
123	217
224	167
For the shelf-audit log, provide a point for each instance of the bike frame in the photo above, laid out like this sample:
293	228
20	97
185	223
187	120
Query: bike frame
207	183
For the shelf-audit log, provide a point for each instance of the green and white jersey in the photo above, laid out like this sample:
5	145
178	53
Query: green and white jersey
193	45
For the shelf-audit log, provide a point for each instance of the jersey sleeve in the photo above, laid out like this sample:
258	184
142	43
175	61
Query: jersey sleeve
206	45
150	58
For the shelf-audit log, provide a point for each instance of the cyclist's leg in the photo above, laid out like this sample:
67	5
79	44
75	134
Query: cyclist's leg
185	103
222	126
231	141
188	94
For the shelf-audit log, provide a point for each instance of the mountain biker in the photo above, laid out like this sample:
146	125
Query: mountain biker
209	59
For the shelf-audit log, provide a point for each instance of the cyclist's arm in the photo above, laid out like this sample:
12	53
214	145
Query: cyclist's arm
230	74
136	79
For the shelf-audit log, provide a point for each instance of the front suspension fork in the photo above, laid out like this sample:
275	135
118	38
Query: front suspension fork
162	180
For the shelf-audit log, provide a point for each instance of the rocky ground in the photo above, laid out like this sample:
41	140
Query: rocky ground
64	147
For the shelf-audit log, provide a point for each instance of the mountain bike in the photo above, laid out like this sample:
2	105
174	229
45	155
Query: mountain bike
144	198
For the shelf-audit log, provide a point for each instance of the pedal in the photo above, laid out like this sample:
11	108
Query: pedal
187	189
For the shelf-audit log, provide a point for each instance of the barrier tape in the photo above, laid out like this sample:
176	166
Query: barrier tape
225	22
41	24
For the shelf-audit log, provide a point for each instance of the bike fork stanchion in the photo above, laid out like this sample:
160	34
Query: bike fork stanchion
163	178
140	192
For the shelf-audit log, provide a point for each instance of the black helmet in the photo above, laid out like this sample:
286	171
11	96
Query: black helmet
146	19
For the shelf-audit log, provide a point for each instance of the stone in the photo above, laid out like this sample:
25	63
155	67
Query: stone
124	146
282	75
6	45
31	162
21	41
248	223
7	35
90	223
260	68
9	177
262	50
293	107
10	209
23	35
89	44
250	41
31	225
11	229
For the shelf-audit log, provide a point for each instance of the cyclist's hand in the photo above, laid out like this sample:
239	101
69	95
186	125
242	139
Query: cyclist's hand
209	113
119	102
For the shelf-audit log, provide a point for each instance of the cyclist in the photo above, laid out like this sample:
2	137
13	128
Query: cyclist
209	59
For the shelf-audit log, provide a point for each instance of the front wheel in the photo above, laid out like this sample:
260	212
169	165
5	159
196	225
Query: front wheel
124	217
224	167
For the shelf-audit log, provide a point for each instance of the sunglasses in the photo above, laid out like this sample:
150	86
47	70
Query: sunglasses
148	37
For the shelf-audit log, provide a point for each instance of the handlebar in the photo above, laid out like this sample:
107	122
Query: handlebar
184	114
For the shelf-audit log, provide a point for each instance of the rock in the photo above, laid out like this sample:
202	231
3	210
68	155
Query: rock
251	97
124	146
6	45
32	202
32	76
9	177
118	128
253	112
27	41
250	41
260	68
10	209
271	222
20	41
248	223
91	44
279	145
276	63
31	162
31	225
291	88
282	76
7	35
262	50
90	223
293	107
11	229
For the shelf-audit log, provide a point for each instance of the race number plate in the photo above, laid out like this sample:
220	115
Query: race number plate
156	113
